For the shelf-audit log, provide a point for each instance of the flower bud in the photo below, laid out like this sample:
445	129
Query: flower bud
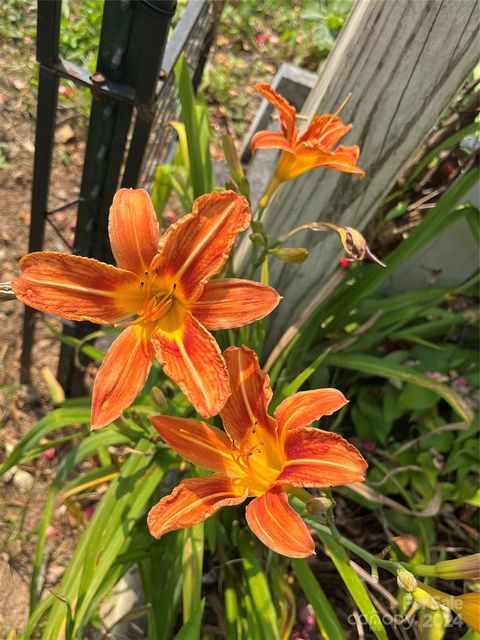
466	568
424	599
319	506
234	164
406	581
257	238
158	397
294	254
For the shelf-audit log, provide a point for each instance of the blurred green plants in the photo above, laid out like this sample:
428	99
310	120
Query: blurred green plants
190	174
254	38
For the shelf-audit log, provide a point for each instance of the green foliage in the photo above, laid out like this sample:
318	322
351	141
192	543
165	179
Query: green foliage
409	365
80	31
190	175
301	33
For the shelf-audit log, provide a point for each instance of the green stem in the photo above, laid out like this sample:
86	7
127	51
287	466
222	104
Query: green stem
424	570
300	493
265	199
372	560
303	495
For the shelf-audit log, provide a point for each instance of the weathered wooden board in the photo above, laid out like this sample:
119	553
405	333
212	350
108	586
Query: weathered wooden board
402	60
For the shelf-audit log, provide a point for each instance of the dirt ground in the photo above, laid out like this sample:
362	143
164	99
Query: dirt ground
23	495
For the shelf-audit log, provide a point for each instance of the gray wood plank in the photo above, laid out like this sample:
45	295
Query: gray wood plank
403	61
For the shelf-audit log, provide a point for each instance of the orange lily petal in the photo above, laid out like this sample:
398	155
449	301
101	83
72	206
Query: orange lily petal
317	458
301	409
469	609
345	159
251	394
278	526
197	442
270	140
325	130
122	375
288	113
308	156
196	247
229	303
192	358
194	500
467	605
133	230
77	288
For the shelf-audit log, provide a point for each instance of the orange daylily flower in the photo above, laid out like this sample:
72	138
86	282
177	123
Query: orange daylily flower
303	152
163	280
467	605
257	456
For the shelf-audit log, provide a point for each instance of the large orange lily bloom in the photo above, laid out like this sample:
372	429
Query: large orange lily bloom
258	456
164	282
312	149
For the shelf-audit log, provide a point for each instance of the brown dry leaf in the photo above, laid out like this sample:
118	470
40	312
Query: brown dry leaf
408	544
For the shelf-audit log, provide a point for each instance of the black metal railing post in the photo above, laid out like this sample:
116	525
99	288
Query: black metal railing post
146	85
130	81
132	44
48	18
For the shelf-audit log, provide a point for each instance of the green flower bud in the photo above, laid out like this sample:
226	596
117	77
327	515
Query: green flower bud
294	254
319	506
406	581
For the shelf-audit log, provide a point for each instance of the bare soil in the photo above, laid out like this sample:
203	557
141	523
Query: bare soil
21	406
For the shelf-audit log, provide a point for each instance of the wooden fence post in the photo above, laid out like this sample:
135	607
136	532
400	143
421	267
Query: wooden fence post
403	62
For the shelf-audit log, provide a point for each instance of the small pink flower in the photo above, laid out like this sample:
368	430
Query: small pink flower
51	532
261	38
461	382
49	454
89	511
310	622
304	615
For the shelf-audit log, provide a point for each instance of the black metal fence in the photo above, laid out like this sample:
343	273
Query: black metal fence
133	97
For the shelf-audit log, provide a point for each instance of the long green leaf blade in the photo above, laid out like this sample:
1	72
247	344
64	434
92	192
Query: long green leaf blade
261	599
327	619
191	629
354	584
384	369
